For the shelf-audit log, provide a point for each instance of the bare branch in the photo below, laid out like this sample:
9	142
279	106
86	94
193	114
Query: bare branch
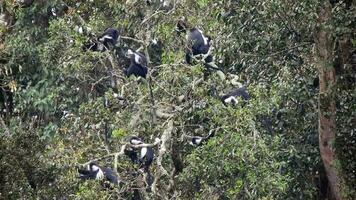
133	39
163	115
116	156
166	137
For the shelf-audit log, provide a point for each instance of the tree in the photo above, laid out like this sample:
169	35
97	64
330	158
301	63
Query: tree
327	109
266	148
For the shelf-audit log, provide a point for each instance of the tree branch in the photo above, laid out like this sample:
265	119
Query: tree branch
133	39
166	137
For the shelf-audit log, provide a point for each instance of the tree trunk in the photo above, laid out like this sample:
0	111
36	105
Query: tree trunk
327	110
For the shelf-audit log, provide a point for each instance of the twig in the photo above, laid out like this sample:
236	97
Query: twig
159	12
98	81
148	18
133	39
116	156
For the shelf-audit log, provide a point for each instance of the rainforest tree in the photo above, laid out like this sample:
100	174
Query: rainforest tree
293	139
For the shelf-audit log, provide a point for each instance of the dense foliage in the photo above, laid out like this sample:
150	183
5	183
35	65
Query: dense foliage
53	118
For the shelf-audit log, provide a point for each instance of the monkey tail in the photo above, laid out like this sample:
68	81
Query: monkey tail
153	109
106	133
151	91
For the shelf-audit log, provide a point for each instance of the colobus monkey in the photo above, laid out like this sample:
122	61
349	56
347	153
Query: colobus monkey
57	10
161	3
155	51
134	140
107	40
98	173
198	44
146	153
231	97
138	64
198	140
93	45
109	102
54	12
146	157
106	102
109	37
132	154
165	3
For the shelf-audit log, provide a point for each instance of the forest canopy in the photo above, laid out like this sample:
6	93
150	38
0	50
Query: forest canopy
263	109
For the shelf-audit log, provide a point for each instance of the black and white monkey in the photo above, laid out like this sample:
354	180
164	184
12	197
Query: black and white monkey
104	42
96	172
146	158
232	97
155	51
198	140
93	45
138	64
57	10
198	44
163	4
146	154
109	38
132	154
134	140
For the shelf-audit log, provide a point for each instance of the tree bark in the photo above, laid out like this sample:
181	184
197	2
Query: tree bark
326	108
